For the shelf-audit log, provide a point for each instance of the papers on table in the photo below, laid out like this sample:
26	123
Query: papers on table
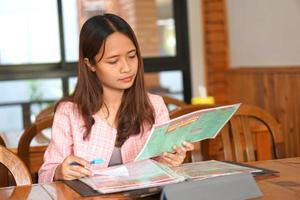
149	173
116	171
143	174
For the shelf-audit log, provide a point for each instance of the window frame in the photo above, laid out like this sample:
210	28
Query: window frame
64	70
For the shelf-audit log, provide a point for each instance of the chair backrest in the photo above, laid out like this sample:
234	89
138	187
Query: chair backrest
241	141
15	166
45	113
185	109
3	169
48	111
172	103
29	133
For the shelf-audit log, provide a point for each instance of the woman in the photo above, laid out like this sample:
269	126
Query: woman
110	114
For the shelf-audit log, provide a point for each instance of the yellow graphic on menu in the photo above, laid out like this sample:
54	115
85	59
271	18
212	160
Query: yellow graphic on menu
181	124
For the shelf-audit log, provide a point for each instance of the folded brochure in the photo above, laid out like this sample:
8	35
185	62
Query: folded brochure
192	127
149	173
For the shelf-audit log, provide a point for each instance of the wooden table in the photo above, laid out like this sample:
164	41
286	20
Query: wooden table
284	186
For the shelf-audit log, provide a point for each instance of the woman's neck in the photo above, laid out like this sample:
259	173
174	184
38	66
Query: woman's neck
112	98
112	101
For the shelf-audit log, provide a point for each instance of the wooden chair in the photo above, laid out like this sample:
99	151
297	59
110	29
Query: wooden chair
2	141
242	142
15	166
185	109
45	113
48	111
26	138
252	134
3	170
172	103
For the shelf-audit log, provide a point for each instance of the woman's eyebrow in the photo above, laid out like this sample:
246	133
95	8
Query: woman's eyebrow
133	50
115	56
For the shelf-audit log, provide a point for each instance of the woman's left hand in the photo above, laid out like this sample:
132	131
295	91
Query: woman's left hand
176	158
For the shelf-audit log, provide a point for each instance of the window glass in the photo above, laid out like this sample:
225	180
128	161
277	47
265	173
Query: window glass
152	21
168	83
29	32
30	90
36	108
18	95
72	84
174	82
71	29
11	119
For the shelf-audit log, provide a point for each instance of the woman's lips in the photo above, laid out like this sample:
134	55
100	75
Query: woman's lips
127	79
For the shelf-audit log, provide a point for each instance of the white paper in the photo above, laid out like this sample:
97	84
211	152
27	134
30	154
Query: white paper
113	171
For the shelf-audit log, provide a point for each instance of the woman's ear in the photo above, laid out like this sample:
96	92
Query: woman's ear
89	65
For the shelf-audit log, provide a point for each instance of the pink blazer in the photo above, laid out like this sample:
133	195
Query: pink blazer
67	138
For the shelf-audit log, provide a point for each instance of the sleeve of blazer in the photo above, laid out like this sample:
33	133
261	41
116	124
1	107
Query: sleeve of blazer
61	142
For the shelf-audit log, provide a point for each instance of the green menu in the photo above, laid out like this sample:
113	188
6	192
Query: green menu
192	127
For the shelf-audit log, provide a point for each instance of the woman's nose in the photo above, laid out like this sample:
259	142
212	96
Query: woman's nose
125	66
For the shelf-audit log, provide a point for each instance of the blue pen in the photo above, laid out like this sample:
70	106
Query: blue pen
93	162
97	161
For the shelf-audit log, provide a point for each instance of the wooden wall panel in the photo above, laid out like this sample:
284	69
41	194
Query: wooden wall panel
274	89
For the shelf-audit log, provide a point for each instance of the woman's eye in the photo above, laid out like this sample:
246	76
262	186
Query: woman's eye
132	55
112	62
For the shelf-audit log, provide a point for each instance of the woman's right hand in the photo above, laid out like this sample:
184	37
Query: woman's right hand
68	171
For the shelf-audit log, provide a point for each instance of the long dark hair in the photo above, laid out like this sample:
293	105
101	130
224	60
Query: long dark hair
136	112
